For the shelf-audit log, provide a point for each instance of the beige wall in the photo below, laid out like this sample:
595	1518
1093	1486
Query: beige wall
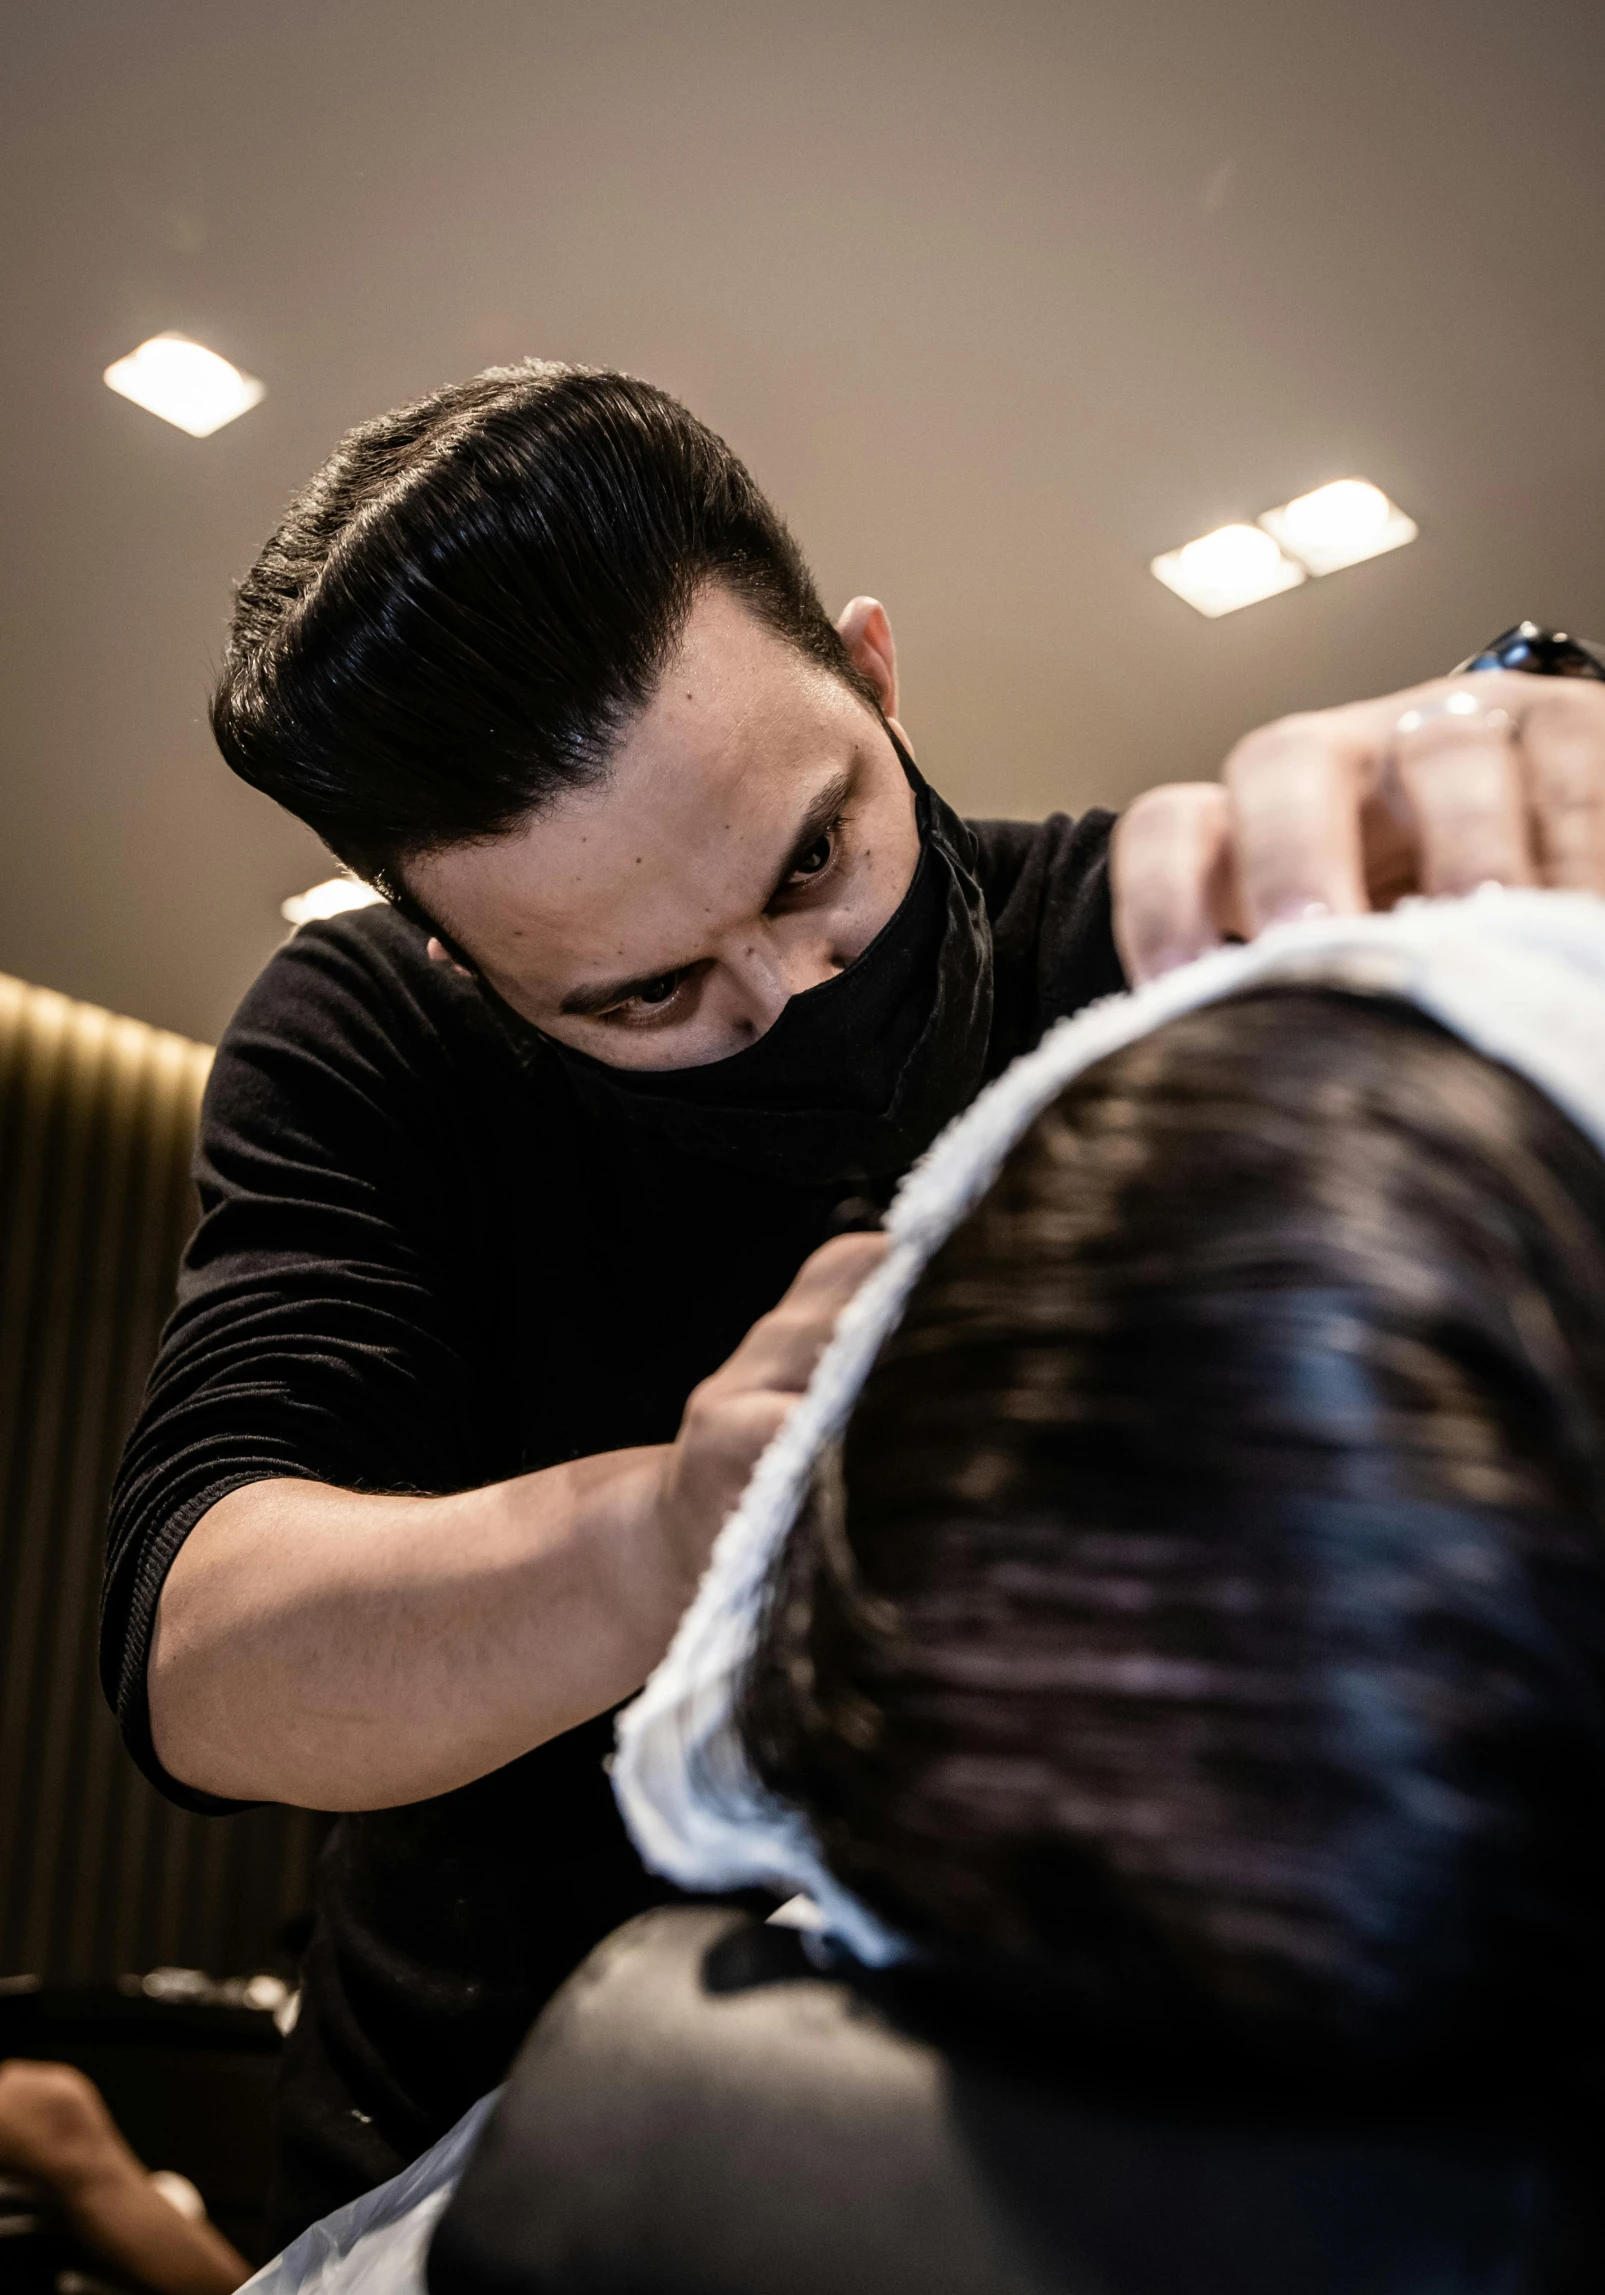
998	302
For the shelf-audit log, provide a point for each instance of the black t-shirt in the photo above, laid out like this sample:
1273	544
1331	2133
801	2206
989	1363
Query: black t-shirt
423	1264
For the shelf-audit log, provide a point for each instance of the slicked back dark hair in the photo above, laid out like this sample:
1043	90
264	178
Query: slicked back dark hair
466	607
1213	1616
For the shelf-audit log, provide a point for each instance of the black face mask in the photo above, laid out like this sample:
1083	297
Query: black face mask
858	1075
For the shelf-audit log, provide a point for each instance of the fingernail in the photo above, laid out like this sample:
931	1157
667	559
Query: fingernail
1297	911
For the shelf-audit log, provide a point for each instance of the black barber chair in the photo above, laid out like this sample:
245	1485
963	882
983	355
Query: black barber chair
701	2111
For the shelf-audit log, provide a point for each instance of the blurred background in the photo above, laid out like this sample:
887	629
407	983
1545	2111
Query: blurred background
997	304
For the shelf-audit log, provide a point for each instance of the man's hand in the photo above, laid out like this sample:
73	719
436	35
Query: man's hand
731	1416
1342	811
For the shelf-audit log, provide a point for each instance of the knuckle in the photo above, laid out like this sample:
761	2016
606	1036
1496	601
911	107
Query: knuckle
1572	710
702	1406
1269	746
1151	809
1568	779
844	1252
852	1256
1164	817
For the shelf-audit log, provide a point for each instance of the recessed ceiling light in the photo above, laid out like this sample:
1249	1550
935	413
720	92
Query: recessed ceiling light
184	383
1235	566
331	898
1339	525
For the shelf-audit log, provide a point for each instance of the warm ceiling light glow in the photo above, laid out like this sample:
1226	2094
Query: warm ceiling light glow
1339	525
331	898
184	383
1235	566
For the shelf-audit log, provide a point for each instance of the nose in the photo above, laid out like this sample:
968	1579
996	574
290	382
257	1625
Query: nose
770	964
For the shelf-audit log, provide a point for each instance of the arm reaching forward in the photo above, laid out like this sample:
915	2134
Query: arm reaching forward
345	1650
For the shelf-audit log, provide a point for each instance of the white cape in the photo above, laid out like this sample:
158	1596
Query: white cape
376	2245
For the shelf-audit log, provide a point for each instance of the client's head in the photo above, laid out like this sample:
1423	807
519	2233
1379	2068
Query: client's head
1209	1613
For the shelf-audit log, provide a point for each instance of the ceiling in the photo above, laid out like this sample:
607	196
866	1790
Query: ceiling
996	302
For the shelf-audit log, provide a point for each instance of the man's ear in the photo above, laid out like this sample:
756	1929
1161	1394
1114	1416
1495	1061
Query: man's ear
867	634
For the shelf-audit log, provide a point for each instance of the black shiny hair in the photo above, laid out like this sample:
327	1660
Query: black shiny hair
1209	1613
460	615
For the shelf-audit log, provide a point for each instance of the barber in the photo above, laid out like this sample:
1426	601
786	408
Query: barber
502	1181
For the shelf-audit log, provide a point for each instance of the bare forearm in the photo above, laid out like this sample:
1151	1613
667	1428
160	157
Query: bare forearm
347	1651
340	1650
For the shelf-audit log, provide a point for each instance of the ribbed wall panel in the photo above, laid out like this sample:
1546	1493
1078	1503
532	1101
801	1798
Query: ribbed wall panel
98	1874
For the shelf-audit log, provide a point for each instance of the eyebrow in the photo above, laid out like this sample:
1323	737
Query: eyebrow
599	995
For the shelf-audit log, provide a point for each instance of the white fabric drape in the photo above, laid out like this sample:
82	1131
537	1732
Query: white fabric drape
1518	976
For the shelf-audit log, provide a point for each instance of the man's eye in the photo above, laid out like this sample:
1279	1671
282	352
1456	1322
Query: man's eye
816	856
657	991
661	997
